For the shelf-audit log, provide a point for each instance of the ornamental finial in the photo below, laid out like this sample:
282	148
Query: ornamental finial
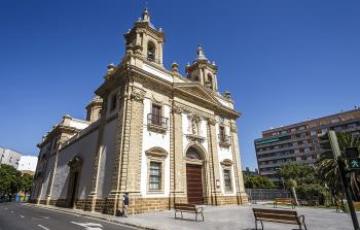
200	53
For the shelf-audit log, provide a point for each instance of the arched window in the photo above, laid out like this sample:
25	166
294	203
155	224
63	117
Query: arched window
151	51
193	154
209	82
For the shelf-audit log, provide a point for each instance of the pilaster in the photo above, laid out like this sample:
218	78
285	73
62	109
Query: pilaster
127	163
235	149
213	161
53	173
177	164
91	204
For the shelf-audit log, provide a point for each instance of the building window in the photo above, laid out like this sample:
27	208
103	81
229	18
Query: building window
224	140
155	176
156	114
151	51
227	180
113	102
155	169
156	122
209	82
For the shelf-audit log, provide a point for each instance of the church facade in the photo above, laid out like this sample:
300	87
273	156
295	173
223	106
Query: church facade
162	137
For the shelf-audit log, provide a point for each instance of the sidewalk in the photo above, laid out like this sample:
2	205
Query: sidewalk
224	217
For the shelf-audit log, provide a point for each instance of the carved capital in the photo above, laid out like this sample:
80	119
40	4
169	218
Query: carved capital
177	109
211	121
137	94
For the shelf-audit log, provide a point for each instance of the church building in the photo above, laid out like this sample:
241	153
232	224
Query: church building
162	137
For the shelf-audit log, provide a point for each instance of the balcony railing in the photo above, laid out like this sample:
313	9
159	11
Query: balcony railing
157	123
224	140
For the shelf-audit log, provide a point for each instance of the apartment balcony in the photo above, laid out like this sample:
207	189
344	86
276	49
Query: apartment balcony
157	123
276	157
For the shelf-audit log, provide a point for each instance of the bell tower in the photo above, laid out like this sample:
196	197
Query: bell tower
145	40
202	71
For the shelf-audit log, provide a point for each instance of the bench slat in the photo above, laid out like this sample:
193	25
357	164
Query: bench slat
279	221
277	211
277	217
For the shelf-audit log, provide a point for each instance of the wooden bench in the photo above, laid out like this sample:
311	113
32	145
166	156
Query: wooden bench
179	207
278	216
357	206
284	201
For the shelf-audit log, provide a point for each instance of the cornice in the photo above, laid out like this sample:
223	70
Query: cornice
59	129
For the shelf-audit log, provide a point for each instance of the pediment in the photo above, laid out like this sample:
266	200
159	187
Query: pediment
197	91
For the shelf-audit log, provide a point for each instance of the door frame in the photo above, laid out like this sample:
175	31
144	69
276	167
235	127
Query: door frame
74	177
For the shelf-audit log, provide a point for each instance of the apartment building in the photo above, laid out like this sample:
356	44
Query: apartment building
298	143
9	157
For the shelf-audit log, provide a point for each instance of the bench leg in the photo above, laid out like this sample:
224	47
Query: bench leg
202	215
256	225
175	214
182	215
304	225
302	222
196	216
262	225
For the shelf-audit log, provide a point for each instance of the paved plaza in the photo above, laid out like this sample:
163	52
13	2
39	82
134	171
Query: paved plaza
224	217
240	218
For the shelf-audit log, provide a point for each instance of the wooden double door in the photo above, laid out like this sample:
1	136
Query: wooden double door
194	184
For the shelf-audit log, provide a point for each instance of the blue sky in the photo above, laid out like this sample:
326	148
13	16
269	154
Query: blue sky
283	61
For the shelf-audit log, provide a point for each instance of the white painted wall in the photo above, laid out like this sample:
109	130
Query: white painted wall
28	163
107	159
154	139
46	173
85	148
9	157
78	124
161	74
225	153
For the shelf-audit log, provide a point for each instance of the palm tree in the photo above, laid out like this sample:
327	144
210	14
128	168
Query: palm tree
292	184
328	171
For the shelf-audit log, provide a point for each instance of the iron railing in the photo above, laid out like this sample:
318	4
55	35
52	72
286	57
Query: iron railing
224	139
157	120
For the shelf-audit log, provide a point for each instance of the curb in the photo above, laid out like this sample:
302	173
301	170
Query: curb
103	217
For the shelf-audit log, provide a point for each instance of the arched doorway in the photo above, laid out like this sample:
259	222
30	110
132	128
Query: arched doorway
75	166
194	176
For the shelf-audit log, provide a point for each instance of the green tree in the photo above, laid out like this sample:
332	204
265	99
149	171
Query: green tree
10	180
26	183
302	181
328	171
292	184
257	181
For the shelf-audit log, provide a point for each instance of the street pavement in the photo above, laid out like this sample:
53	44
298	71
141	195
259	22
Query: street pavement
19	216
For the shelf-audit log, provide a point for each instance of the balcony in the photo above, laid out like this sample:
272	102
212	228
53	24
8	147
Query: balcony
157	123
224	140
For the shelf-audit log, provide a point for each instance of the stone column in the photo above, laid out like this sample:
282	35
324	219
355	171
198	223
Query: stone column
90	204
134	148
123	124
51	182
127	163
213	161
239	180
177	164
